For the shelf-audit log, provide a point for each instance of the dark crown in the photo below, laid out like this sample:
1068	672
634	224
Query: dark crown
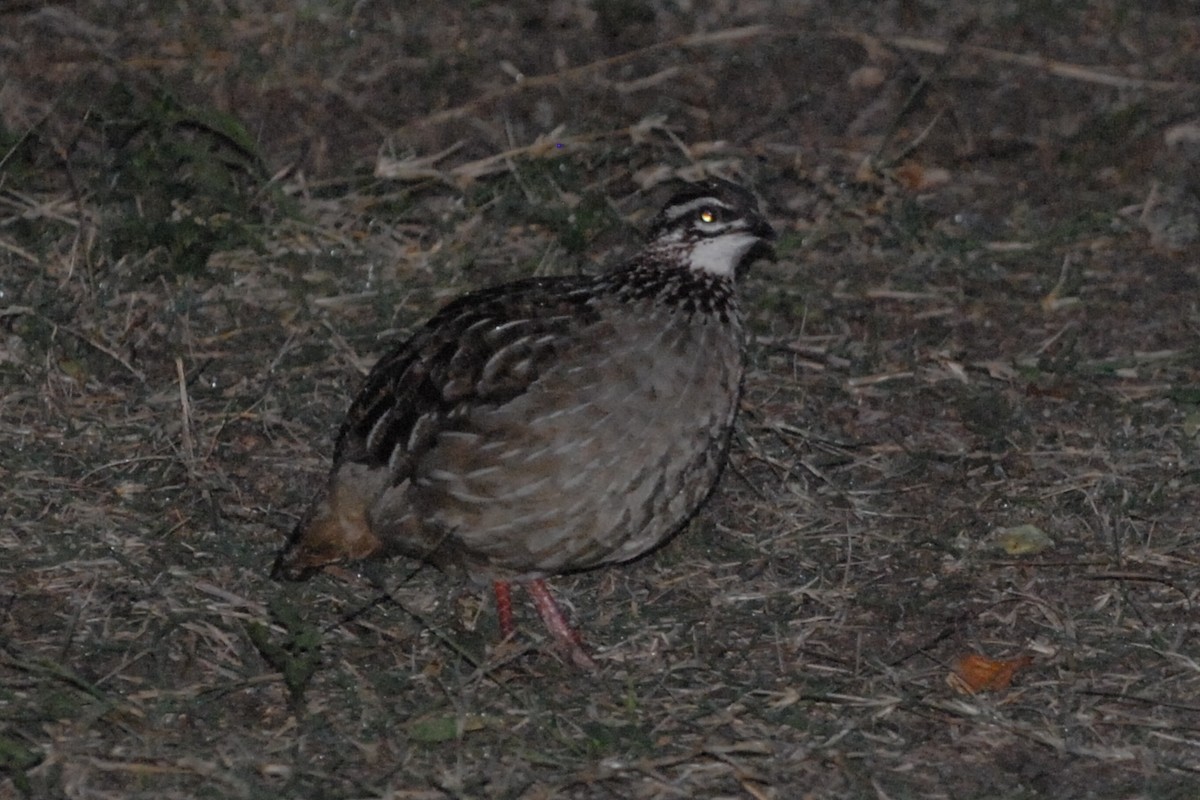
711	208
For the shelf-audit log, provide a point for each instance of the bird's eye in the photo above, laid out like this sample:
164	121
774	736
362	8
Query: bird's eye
707	215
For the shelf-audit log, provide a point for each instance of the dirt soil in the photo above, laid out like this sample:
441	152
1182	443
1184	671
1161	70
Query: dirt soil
956	554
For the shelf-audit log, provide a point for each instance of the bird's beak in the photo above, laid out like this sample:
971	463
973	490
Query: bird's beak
764	248
763	230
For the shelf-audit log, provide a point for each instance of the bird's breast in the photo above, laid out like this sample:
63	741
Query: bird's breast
600	458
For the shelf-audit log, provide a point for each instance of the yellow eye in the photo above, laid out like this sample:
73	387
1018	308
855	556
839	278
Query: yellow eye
708	216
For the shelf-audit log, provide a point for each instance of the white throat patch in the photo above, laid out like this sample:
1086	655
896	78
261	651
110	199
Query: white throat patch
721	254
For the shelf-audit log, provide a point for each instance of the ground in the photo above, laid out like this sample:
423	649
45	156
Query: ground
969	430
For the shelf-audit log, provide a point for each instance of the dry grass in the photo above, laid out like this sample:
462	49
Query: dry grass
984	315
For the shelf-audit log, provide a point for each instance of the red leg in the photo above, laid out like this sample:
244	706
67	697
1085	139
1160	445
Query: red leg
567	637
504	608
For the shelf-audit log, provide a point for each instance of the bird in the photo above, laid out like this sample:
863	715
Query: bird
550	425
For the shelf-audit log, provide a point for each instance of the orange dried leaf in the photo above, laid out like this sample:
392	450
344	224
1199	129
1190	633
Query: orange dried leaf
910	175
1023	540
915	178
975	673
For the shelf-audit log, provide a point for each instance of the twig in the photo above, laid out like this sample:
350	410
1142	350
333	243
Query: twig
18	251
947	57
871	380
538	81
1060	69
185	411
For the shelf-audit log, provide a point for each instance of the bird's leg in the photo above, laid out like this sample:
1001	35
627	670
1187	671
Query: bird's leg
504	608
567	637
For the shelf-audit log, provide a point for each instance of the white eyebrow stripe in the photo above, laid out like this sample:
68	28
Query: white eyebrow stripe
675	212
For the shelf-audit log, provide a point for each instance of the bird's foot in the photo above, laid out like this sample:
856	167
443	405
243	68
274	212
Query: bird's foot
567	638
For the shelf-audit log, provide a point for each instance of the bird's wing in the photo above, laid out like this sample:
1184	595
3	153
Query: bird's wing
485	348
482	350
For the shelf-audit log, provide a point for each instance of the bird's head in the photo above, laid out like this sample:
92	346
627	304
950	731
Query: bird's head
715	225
